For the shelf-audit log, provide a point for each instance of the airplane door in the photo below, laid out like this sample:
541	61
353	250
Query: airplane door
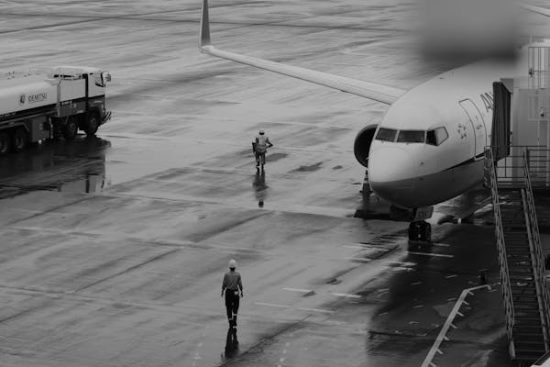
474	115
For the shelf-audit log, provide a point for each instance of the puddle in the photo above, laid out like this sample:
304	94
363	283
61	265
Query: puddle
310	168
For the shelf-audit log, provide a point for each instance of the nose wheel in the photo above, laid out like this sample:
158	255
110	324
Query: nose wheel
420	231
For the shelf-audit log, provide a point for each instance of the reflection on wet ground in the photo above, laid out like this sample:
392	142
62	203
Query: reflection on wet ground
77	166
231	343
260	187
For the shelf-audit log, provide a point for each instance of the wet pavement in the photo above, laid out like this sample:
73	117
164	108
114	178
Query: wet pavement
113	248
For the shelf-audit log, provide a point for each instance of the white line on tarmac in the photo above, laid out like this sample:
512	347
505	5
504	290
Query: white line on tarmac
359	259
299	290
315	310
451	276
401	269
347	295
428	254
402	264
354	247
270	305
441	244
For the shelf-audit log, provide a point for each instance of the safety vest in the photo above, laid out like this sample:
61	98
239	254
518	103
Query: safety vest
261	143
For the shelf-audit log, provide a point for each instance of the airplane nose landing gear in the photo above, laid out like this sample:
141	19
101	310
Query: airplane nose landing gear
420	231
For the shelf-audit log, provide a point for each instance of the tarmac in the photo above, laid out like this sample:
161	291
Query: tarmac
114	247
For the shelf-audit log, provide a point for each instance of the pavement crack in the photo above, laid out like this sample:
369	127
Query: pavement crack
131	268
21	313
50	210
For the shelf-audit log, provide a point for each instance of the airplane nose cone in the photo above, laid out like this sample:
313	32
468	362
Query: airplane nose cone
391	175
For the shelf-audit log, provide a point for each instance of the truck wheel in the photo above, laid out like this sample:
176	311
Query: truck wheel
70	129
92	124
20	139
4	142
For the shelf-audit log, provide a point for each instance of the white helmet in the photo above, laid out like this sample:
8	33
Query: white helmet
232	264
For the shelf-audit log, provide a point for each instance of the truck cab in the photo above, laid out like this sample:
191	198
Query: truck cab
81	99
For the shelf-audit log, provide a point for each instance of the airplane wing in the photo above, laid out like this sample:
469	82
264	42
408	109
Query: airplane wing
536	9
381	93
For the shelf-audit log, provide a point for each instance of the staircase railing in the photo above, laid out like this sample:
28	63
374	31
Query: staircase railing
499	234
543	295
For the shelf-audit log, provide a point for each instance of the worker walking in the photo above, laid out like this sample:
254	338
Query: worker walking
261	143
232	285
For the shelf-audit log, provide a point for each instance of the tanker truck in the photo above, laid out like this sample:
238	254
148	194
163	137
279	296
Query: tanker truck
52	104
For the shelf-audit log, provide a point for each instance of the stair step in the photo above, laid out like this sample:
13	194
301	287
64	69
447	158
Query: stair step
526	308
529	321
520	267
522	343
517	274
524	283
529	347
527	295
528	318
528	328
518	292
533	333
518	249
522	305
519	300
517	255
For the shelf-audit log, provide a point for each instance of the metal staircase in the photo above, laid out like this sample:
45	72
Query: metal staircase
526	298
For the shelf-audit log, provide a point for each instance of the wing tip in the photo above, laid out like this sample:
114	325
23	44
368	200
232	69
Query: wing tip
204	39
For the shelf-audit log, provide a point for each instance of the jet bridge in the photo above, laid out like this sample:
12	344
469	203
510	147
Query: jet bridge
517	170
521	117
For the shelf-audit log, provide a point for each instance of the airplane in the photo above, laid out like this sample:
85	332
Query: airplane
429	147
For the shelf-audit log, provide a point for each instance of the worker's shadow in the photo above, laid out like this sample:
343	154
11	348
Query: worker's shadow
260	187
231	343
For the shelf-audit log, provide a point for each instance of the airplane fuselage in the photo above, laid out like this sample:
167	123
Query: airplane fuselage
430	145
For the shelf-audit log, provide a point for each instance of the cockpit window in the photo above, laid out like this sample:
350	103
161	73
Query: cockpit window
386	134
437	136
411	136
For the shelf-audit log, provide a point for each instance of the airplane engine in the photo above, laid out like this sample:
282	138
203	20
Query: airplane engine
361	147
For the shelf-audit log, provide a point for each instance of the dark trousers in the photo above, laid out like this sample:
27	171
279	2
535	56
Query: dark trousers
231	303
260	158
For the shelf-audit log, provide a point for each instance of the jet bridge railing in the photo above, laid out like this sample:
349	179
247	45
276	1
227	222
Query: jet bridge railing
536	254
499	234
538	162
510	170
